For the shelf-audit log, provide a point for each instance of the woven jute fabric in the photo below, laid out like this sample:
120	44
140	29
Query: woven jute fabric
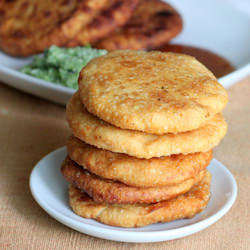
31	127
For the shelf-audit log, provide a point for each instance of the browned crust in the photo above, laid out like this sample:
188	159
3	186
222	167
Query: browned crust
103	190
155	172
138	215
152	24
116	13
103	135
50	29
153	92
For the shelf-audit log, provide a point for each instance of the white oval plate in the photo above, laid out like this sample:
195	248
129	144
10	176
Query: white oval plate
49	189
219	26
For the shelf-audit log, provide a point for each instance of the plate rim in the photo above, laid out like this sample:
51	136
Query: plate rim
112	233
34	80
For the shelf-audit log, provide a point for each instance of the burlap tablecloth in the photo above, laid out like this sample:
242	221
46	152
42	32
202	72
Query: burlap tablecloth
31	127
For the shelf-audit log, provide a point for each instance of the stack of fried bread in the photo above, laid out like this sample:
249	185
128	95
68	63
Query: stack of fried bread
29	27
144	125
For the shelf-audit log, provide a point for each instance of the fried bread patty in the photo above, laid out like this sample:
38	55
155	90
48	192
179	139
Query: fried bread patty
103	135
29	27
154	172
153	23
103	190
153	92
115	14
138	215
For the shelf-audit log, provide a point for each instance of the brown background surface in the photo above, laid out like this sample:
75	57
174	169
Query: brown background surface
31	127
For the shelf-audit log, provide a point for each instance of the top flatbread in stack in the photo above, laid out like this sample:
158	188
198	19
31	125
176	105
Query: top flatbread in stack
152	92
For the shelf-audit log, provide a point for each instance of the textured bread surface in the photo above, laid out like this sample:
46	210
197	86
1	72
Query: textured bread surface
103	190
115	14
153	23
103	135
154	172
154	92
29	27
138	215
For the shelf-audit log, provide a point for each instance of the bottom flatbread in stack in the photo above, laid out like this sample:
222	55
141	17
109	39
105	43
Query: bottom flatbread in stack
184	206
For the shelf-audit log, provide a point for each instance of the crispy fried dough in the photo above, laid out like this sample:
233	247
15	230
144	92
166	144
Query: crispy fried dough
138	215
114	15
153	92
96	132
103	190
29	27
155	172
152	24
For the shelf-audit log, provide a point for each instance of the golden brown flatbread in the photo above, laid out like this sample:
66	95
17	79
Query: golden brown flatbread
138	215
103	190
153	92
28	27
153	23
154	172
115	14
96	132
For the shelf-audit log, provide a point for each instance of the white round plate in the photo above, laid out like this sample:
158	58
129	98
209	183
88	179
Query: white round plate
49	189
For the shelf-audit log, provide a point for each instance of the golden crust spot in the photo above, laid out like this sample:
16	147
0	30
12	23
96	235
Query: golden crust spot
103	190
137	215
154	172
153	92
101	134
